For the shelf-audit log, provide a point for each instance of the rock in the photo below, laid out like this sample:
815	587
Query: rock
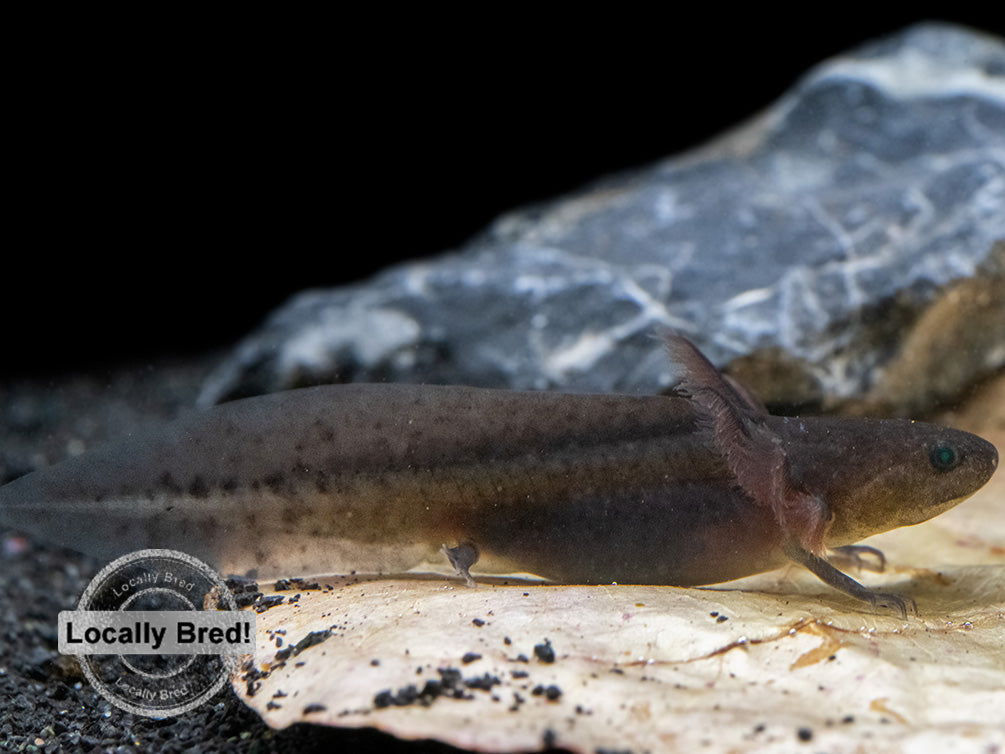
810	250
959	337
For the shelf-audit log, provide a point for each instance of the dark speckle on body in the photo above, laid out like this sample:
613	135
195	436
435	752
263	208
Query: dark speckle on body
169	484
275	481
198	488
321	482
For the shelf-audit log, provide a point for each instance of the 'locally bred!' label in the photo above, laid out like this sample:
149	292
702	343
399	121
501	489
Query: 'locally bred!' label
157	632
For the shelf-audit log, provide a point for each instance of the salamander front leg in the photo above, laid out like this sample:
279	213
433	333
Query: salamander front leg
462	558
833	577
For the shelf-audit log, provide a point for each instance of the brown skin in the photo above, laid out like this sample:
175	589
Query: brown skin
575	488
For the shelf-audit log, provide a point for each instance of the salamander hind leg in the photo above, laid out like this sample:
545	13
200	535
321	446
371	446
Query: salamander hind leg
858	557
462	558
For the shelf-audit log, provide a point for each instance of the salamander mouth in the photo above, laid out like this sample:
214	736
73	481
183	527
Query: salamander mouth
937	509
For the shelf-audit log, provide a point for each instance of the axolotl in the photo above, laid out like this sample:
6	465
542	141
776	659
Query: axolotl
692	489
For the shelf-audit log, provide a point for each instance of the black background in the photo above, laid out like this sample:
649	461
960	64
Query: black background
171	185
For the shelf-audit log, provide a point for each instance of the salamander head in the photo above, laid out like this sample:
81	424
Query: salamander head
876	475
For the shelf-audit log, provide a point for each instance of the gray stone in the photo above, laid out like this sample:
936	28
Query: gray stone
802	250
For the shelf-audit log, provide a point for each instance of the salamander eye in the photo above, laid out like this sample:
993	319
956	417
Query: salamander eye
944	457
